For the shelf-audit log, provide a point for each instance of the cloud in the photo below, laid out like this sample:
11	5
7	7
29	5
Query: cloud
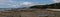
8	3
56	1
29	4
15	4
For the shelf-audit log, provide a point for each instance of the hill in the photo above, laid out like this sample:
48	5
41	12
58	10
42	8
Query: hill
51	6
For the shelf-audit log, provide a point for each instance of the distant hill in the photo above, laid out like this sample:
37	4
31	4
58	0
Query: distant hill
51	6
39	6
55	5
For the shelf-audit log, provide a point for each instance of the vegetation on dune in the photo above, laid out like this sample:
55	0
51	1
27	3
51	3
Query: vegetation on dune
53	6
39	6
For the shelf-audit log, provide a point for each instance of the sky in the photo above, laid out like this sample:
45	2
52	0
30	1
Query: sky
24	3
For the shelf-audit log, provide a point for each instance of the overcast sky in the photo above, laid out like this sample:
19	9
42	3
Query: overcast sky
24	3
